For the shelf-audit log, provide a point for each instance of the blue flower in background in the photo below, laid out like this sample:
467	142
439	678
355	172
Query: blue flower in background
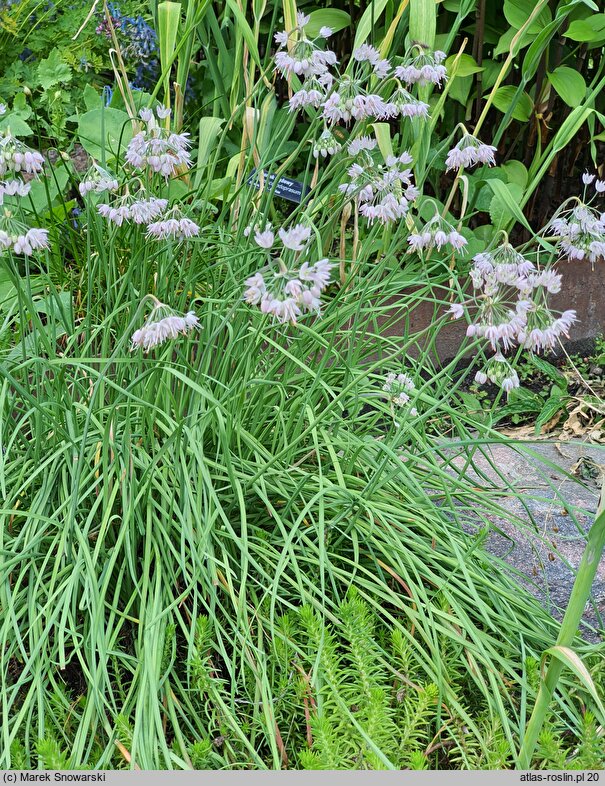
139	44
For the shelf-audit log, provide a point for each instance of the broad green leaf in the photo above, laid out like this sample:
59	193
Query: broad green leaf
504	44
516	172
21	107
466	66
517	12
53	70
460	89
17	126
503	98
92	99
500	210
169	17
209	129
106	130
423	21
333	18
552	406
574	663
569	84
590	29
289	9
55	182
509	195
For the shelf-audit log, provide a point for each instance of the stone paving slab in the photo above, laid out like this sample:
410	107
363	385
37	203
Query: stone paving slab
556	511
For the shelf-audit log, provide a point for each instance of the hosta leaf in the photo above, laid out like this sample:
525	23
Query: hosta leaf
569	84
333	18
517	13
590	29
467	65
516	172
503	99
104	130
500	206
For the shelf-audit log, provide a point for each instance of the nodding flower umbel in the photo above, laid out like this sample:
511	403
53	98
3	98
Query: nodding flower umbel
138	208
21	239
399	388
369	89
15	156
158	149
470	151
382	189
173	226
423	68
510	303
163	324
97	180
580	230
436	233
289	284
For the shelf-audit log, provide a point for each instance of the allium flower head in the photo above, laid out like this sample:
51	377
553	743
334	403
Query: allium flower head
139	209
294	288
423	69
173	227
399	388
304	57
470	151
511	297
158	149
326	145
17	157
499	372
163	324
384	189
580	233
34	239
15	187
438	233
296	238
98	180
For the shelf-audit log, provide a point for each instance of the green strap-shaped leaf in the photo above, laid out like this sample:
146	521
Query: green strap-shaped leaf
574	663
423	22
246	31
504	194
370	16
169	17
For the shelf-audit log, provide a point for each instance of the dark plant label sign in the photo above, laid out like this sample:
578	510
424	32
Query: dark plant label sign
286	188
